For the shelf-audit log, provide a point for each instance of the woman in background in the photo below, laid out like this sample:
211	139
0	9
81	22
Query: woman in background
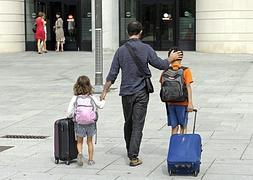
60	38
40	32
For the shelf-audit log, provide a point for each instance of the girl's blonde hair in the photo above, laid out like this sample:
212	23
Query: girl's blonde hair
82	86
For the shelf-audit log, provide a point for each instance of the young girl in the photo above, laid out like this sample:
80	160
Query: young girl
83	88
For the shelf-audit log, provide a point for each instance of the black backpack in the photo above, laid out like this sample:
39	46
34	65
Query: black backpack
173	88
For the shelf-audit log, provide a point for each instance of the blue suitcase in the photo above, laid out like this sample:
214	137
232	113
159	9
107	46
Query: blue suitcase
184	153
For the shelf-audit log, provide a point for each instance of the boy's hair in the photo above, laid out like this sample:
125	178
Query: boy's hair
175	49
82	86
134	28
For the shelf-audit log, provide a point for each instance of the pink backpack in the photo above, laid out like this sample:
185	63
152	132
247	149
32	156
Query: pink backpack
85	110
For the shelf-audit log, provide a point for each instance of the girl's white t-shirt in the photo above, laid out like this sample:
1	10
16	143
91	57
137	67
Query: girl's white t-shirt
71	108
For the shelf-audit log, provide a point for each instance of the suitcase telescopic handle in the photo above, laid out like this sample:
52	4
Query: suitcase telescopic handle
195	117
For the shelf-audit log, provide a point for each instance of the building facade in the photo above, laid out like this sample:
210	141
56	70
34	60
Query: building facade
202	25
12	31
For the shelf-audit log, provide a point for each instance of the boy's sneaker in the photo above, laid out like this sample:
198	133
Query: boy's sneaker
80	160
91	162
135	162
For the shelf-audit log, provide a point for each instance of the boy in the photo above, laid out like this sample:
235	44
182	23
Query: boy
177	111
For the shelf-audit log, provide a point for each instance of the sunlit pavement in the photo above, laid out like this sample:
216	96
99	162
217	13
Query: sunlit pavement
35	90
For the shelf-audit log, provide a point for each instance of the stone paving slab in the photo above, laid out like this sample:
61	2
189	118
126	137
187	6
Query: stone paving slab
35	91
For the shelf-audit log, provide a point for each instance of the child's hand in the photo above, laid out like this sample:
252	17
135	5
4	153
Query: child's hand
190	107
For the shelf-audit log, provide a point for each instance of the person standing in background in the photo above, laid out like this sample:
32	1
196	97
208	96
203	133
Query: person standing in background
45	30
59	32
40	33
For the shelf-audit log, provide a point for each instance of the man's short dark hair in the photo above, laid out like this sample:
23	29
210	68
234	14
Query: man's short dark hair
134	28
175	49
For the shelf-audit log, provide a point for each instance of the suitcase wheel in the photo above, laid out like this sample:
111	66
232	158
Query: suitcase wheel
195	173
170	172
56	161
67	162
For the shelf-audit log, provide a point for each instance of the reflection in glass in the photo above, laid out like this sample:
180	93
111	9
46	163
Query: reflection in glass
71	27
187	20
86	20
127	14
30	19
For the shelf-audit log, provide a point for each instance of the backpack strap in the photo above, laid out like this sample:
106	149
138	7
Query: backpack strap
178	71
184	67
93	105
84	98
94	108
144	71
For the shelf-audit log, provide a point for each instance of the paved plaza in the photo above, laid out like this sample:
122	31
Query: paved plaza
35	91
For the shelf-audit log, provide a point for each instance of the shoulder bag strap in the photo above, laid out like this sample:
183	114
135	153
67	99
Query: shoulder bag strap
135	59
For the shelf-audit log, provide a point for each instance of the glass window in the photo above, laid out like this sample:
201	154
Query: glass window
187	19
127	14
30	19
86	20
32	8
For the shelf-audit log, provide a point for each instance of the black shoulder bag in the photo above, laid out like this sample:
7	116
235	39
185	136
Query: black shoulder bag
149	86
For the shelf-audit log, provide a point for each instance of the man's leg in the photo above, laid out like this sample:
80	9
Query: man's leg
138	117
127	105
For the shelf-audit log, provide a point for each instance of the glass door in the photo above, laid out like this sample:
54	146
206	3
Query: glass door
52	9
166	17
149	34
68	12
187	14
70	26
158	19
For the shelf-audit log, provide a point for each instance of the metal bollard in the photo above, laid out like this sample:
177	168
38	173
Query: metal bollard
98	47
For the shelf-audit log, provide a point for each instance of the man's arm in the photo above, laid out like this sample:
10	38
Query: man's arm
175	56
112	75
105	90
161	64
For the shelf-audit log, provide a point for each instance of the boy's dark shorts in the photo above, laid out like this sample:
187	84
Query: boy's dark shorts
177	115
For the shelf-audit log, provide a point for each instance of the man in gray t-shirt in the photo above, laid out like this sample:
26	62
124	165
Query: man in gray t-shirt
132	89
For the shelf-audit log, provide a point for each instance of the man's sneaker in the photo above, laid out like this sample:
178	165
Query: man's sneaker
135	162
91	162
80	160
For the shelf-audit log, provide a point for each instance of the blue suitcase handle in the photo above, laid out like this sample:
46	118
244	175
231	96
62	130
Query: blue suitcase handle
195	117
